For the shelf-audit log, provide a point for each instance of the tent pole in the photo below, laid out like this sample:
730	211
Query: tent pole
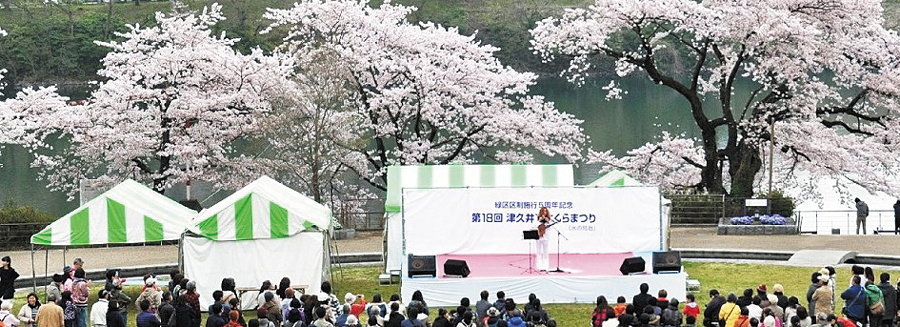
46	264
33	272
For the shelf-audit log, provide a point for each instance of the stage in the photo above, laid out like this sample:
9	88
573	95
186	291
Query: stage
585	277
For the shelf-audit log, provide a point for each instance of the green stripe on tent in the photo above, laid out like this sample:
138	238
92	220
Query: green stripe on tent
44	237
519	176
81	232
425	177
153	230
457	176
619	182
243	218
549	177
308	225
488	178
392	204
115	222
278	218
210	227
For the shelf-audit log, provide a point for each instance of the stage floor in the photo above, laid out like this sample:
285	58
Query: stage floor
506	265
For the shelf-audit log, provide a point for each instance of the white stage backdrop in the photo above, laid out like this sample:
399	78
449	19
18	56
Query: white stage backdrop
491	220
250	262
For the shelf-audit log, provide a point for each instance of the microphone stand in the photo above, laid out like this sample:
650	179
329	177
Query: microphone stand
558	235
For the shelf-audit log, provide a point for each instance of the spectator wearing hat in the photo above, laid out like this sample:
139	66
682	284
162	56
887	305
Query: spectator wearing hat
761	291
773	304
492	315
151	293
99	309
515	321
778	291
55	286
358	306
822	298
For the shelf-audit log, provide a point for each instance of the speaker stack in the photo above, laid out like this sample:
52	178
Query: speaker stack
421	265
633	265
453	267
666	262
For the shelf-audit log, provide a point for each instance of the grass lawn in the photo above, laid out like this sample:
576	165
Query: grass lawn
723	276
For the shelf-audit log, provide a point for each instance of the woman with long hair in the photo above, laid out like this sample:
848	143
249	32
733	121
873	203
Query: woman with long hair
68	308
602	312
8	277
284	284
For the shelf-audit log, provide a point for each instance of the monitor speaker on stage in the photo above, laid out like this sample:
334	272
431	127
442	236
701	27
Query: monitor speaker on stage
455	267
422	265
632	265
666	262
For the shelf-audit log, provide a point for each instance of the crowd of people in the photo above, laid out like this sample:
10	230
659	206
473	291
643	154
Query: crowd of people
867	303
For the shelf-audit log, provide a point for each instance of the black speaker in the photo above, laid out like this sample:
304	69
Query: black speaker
666	261
422	265
456	268
632	265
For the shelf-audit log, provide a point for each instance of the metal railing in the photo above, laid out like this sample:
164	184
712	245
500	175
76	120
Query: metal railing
843	221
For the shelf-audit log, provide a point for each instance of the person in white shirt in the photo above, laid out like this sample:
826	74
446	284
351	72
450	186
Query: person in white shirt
6	317
99	309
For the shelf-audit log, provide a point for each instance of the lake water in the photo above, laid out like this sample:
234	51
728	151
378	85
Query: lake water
618	125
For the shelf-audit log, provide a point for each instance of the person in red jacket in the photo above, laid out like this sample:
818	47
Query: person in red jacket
691	308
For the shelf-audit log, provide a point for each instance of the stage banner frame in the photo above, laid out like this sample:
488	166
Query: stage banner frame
491	220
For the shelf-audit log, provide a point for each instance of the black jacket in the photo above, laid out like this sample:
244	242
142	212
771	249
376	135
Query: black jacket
114	319
7	278
890	300
711	313
185	316
640	301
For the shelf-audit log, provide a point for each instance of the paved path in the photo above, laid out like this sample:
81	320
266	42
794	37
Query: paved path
370	242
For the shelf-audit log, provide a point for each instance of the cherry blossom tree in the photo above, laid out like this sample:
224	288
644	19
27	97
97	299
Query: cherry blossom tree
823	73
174	102
423	93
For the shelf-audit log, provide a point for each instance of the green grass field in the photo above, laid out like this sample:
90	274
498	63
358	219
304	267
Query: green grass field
723	276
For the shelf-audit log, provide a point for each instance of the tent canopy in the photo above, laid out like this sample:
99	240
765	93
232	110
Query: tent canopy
263	209
127	213
458	176
616	177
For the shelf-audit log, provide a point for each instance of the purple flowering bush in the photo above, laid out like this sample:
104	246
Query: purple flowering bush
745	220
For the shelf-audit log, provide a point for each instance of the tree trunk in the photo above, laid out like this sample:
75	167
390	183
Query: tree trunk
109	13
711	174
745	164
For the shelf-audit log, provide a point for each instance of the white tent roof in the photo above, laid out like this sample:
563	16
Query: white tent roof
616	178
127	213
264	208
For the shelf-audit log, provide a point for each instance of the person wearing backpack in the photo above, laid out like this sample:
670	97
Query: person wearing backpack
875	303
671	317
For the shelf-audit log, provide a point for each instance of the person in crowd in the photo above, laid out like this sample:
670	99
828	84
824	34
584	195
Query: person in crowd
745	299
652	303
744	319
823	297
890	300
691	308
341	319
832	282
68	306
491	316
874	303
754	309
620	306
6	317
790	309
814	280
50	314
395	317
215	318
235	305
262	315
778	291
166	309
286	303
859	271
643	320
178	285
662	300
151	293
309	308
795	321
55	286
500	303
358	306
773	304
113	317
376	319
862	212
273	308
173	280
99	309
233	319
266	287
332	299
528	306
482	305
377	302
352	321
283	286
412	320
671	317
854	300
870	277
116	294
690	321
627	318
803	315
510	310
649	311
641	299
321	321
769	318
418	302
535	319
539	309
711	313
840	321
192	297
28	313
729	311
395	298
602	312
294	318
226	308
146	318
80	294
185	316
516	321
228	291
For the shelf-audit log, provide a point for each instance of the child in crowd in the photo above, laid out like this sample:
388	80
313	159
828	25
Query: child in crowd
691	309
620	306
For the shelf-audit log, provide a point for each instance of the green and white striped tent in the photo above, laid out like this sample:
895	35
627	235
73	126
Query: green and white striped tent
264	208
616	177
127	213
265	230
458	176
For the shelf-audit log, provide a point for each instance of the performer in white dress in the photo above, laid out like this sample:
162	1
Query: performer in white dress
542	260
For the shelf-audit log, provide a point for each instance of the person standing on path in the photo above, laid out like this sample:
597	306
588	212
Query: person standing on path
862	211
8	277
897	217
